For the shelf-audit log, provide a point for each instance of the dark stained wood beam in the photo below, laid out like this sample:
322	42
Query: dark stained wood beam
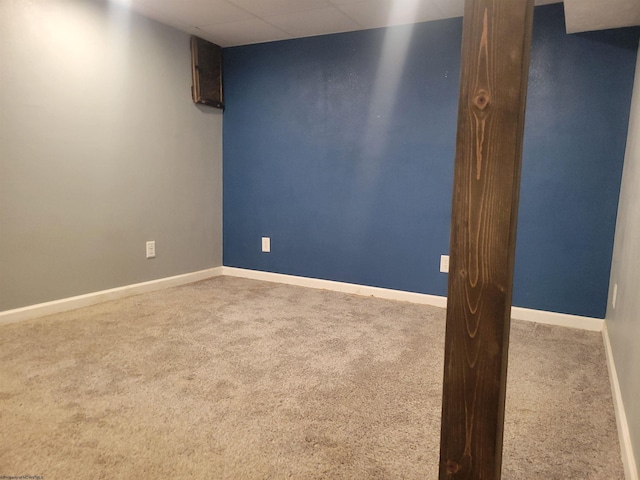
496	40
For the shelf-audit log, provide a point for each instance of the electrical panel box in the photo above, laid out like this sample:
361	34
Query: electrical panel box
206	70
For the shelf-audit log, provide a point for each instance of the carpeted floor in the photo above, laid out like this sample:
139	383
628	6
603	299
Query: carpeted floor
231	378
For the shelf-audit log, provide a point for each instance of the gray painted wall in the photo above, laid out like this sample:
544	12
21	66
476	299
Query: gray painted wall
101	149
623	321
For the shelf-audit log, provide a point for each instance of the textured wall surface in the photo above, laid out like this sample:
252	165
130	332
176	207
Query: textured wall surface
623	321
340	148
101	149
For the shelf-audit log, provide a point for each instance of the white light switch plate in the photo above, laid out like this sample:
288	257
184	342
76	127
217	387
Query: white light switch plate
444	263
266	244
151	249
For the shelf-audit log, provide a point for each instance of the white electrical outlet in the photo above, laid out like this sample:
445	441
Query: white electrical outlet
266	244
151	249
444	263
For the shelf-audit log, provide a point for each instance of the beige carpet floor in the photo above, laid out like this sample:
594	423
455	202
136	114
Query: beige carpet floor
231	378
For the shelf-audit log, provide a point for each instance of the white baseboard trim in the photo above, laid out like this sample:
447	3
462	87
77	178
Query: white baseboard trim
626	447
559	319
57	306
71	303
343	287
519	313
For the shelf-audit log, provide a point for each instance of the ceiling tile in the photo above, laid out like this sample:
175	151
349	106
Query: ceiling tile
368	14
243	32
276	7
379	13
346	2
427	11
148	11
590	15
313	22
197	12
450	8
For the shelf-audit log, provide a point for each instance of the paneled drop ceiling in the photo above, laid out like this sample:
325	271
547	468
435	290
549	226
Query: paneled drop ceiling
240	22
586	15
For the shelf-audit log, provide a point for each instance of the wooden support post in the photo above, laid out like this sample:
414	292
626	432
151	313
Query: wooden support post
495	60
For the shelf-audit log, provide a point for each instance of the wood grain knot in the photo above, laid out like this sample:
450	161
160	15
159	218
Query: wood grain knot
453	467
481	100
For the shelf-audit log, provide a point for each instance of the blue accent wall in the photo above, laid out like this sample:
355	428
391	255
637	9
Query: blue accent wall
340	148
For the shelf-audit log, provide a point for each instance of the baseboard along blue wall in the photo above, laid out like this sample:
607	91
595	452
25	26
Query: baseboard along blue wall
340	149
